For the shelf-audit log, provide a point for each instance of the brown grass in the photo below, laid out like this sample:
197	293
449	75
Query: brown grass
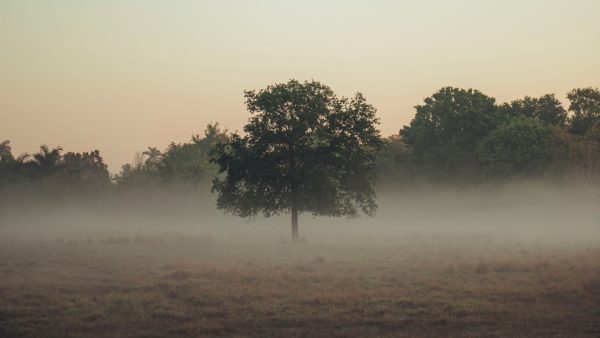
181	286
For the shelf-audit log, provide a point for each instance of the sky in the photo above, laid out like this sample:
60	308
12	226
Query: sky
122	75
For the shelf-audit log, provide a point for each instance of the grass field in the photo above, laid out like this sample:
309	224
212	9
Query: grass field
207	285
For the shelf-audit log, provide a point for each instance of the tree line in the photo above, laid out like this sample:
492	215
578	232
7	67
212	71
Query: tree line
460	135
456	135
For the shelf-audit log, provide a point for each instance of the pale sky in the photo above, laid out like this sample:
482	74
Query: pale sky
119	75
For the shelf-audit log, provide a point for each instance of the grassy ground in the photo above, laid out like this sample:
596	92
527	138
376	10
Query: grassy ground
171	286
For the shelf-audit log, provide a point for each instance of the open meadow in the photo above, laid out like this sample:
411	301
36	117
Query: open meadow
387	276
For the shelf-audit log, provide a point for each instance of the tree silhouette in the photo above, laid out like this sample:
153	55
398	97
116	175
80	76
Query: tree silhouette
154	156
521	147
189	163
304	150
585	106
5	150
47	161
446	130
547	109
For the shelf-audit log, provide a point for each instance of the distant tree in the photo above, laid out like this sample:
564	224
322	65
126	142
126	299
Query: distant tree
562	146
138	174
5	150
189	163
584	153
446	130
547	109
6	163
521	147
84	170
153	156
184	166
395	163
585	107
304	150
46	161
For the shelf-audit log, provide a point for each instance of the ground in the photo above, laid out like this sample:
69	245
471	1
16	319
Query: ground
415	286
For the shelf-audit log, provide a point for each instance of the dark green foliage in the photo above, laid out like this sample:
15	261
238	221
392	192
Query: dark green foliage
304	149
5	150
83	170
585	106
47	162
48	168
547	109
153	157
395	163
307	150
446	130
521	147
189	163
181	165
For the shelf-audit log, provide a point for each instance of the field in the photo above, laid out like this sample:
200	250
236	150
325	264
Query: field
412	285
519	261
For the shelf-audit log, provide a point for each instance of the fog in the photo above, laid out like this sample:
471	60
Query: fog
515	259
529	212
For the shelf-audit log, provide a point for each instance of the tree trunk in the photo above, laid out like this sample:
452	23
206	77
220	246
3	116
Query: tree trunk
295	235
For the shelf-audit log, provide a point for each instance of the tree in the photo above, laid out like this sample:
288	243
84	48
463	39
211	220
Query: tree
547	109
521	147
304	150
154	156
84	170
138	173
47	162
585	106
189	163
395	163
584	153
446	130
14	170
5	150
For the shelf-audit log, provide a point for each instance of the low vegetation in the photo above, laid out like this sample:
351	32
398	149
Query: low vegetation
180	286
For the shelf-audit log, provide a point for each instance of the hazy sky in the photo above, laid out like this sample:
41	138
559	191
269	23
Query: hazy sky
120	75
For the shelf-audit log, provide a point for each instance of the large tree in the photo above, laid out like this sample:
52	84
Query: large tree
304	150
446	130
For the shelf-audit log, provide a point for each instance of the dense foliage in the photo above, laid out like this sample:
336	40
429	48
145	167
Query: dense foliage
50	168
521	146
446	130
304	150
181	165
303	138
463	136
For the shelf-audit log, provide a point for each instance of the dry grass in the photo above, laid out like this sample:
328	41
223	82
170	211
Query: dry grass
181	286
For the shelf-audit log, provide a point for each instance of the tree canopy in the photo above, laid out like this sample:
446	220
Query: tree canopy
585	106
447	128
521	147
304	150
547	109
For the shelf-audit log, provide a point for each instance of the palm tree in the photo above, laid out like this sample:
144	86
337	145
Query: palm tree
154	156
21	158
46	160
5	150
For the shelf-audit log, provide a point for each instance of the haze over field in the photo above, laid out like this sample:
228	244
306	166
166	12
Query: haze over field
526	211
300	168
515	260
121	75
